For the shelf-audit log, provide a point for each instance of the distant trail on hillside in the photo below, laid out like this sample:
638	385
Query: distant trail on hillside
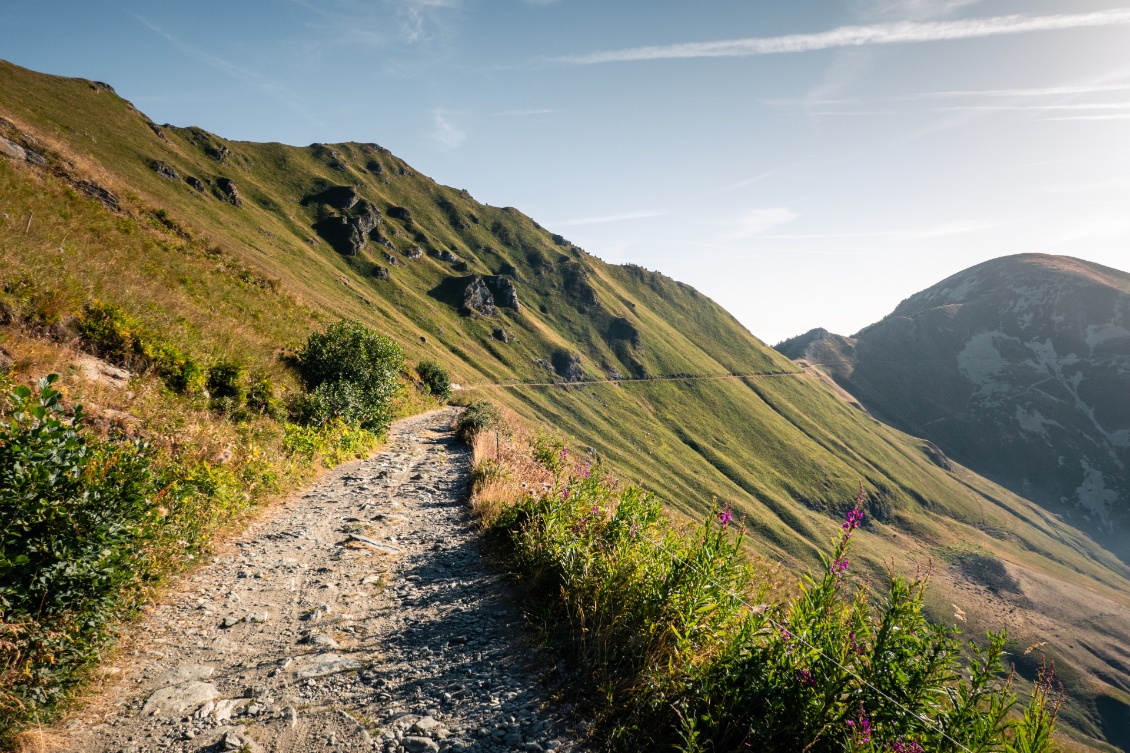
677	378
361	616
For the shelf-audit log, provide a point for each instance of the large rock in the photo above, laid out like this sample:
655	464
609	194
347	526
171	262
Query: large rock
477	298
164	169
503	290
320	665
179	700
348	233
568	365
226	191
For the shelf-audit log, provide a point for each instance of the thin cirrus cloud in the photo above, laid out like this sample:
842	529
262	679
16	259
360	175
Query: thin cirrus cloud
758	221
445	133
903	32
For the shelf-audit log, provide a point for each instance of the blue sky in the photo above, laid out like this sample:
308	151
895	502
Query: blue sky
805	163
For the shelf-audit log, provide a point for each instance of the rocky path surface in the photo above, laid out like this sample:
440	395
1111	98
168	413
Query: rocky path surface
362	616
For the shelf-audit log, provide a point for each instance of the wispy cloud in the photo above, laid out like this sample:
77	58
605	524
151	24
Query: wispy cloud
602	219
756	221
1049	91
903	32
418	17
445	133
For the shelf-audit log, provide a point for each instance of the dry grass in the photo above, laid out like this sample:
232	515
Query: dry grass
37	741
503	468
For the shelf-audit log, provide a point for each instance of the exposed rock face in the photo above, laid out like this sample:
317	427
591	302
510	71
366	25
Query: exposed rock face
1018	368
164	169
501	334
226	190
477	298
448	257
568	365
6	361
414	253
505	294
380	273
400	213
195	183
348	233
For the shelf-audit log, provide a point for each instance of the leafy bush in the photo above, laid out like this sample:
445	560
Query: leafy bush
436	378
352	373
74	514
480	415
684	651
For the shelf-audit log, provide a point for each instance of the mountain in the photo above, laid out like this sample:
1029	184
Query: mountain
236	251
1018	368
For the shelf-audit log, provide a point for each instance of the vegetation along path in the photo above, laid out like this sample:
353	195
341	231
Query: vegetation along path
361	616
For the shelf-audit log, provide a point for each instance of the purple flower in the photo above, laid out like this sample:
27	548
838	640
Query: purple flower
806	678
564	453
839	566
906	746
861	728
725	517
586	472
594	510
854	518
565	494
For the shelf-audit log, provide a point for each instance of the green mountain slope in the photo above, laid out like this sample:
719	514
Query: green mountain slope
237	250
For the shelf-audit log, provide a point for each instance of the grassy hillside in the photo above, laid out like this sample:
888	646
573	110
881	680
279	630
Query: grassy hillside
237	251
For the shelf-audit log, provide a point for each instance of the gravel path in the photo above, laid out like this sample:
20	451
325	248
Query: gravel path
361	616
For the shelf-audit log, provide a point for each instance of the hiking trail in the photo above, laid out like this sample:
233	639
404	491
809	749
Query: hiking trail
360	615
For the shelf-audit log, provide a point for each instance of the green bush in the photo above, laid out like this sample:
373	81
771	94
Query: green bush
683	651
436	378
352	373
74	514
481	415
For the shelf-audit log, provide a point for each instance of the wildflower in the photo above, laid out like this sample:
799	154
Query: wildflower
854	518
565	494
564	453
906	746
594	510
634	530
726	516
839	566
586	472
861	728
806	678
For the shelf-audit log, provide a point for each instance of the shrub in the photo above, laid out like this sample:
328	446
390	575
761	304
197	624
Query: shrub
436	378
74	514
109	332
480	415
352	373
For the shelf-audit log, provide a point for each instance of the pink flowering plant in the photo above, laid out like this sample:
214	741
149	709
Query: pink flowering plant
677	647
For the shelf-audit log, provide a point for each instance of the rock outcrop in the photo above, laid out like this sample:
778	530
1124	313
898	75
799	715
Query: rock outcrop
567	364
226	191
505	294
164	169
477	298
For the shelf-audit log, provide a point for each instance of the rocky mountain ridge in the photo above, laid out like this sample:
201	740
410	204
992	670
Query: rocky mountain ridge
1018	368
